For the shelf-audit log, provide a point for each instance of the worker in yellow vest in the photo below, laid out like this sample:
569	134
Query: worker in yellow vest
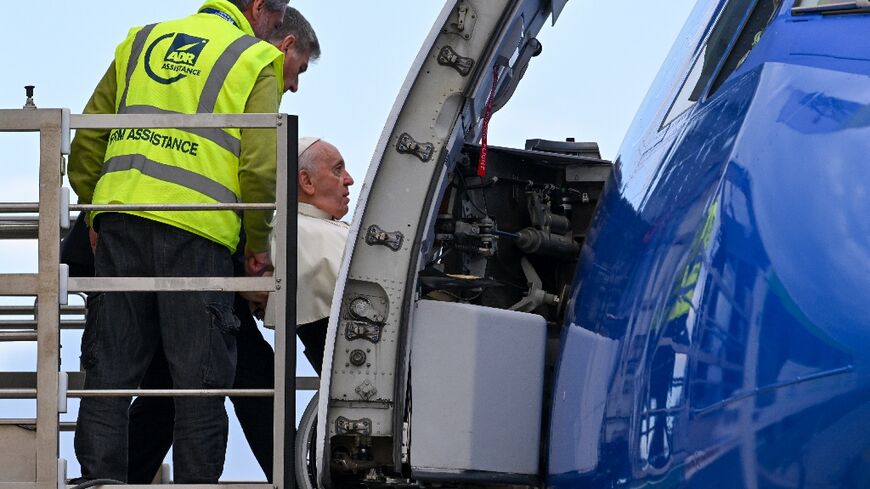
151	418
209	62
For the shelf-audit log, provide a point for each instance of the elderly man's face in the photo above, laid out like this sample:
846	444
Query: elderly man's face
330	181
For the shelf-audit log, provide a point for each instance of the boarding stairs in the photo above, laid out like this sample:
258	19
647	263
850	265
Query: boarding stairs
37	306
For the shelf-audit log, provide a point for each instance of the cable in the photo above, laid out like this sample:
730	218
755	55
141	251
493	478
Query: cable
506	234
487	114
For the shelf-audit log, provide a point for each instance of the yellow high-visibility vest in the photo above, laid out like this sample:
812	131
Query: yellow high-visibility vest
200	64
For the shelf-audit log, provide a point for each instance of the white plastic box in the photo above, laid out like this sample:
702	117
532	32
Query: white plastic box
477	377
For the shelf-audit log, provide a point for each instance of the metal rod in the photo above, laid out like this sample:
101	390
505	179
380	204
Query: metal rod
19	207
31	310
15	219
170	284
17	336
20	226
27	120
291	141
19	230
17	393
10	381
165	121
31	324
170	207
20	284
30	423
221	485
170	392
33	208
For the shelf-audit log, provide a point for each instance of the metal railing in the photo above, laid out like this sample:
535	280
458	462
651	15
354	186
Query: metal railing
50	285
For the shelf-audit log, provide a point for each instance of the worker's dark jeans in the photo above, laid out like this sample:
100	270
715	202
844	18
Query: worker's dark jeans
125	330
151	417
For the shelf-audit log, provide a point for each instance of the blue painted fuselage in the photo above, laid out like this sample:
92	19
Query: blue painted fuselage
719	329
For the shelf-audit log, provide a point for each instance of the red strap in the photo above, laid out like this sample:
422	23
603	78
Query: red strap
481	164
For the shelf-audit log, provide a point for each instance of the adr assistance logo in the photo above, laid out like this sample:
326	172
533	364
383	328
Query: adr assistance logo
181	57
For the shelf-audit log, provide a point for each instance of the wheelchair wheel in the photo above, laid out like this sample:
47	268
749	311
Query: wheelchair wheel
306	451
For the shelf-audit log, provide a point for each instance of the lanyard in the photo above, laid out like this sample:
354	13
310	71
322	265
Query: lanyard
220	14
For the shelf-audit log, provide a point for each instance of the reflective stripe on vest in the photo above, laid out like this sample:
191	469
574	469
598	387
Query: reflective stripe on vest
135	54
207	99
218	75
184	66
216	78
171	174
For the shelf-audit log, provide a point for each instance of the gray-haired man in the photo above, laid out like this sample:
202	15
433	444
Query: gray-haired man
153	72
150	430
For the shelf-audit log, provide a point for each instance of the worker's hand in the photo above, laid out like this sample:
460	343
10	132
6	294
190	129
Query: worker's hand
257	300
256	264
92	237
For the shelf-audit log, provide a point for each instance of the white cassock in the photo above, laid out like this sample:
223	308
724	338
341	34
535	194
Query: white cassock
320	245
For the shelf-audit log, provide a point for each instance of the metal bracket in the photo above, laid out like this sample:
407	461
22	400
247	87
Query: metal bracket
408	145
64	132
361	308
366	390
344	426
462	20
64	207
530	49
62	387
63	284
536	295
449	57
61	473
377	236
358	330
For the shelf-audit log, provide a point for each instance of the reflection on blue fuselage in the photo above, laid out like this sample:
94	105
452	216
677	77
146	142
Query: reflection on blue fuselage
730	262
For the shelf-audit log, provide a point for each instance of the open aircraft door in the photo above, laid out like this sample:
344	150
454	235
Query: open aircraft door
436	349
